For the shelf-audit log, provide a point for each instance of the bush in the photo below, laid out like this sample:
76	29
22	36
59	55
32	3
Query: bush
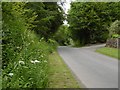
114	29
115	36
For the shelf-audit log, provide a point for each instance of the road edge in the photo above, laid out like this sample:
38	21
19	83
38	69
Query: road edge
73	74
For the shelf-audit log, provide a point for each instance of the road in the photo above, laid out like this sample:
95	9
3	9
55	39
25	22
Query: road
93	70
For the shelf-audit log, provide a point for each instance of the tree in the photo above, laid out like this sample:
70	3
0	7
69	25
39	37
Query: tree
89	21
62	36
49	18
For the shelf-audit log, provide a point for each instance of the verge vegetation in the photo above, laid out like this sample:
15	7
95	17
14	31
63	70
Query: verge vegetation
25	49
112	52
59	74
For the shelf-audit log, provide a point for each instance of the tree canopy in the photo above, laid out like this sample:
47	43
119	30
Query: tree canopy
49	17
89	21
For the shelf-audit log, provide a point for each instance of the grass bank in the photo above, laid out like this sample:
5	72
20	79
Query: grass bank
59	74
112	52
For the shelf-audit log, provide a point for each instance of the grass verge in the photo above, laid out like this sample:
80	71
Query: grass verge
112	52
59	74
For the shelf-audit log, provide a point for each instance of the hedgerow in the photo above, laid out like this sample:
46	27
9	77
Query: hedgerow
25	56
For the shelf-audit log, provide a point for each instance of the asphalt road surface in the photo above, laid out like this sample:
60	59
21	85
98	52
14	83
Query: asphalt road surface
93	70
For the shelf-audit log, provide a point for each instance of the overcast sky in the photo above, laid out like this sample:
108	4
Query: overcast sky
66	6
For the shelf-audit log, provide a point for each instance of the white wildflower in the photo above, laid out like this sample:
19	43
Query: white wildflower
21	62
32	41
10	74
17	47
32	61
35	61
45	61
41	39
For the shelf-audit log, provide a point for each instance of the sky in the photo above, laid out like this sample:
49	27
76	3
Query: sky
66	6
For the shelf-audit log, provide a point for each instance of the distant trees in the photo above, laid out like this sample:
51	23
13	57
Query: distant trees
62	36
89	21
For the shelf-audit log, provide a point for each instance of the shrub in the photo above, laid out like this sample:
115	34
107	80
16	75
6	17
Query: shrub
115	36
114	29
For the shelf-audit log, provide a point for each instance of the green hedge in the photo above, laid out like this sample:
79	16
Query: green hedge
25	56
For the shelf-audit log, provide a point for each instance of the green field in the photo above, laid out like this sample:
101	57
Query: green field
59	74
112	52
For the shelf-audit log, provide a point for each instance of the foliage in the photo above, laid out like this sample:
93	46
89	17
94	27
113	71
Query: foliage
114	29
24	56
62	36
49	17
115	36
89	20
53	45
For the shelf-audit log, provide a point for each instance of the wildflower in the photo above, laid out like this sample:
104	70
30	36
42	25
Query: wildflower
36	61
17	47
32	41
21	62
45	61
32	61
41	39
10	74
